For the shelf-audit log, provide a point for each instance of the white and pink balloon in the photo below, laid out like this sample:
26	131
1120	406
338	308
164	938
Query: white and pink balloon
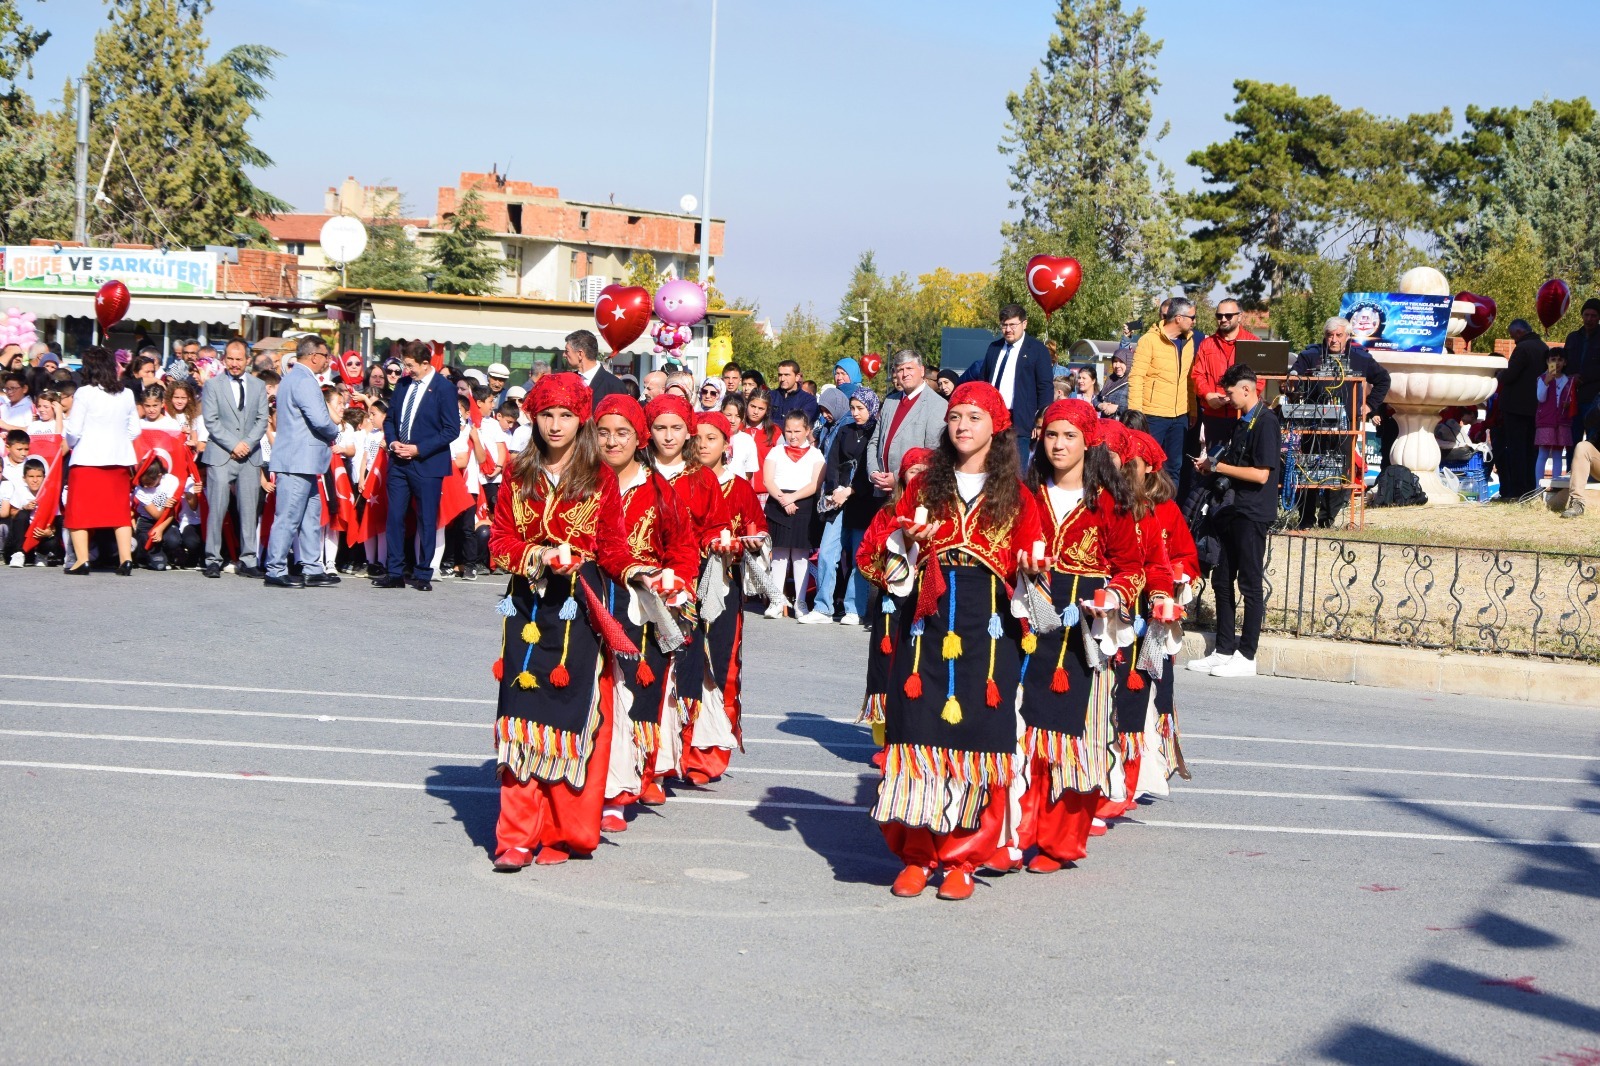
17	327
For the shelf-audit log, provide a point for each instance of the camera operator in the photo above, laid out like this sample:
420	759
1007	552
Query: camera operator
1252	467
1337	357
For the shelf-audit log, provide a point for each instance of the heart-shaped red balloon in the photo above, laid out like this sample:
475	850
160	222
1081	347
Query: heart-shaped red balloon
110	303
1552	302
871	363
1053	281
1482	317
622	313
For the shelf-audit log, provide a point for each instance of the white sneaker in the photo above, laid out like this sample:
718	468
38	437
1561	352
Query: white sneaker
850	620
815	618
773	611
17	560
1238	666
1208	663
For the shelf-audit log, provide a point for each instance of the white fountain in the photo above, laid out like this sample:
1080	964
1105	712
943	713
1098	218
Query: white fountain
1423	385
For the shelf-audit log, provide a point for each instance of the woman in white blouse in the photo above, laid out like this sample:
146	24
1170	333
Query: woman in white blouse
100	431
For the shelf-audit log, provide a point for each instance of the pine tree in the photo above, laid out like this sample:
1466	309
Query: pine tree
35	175
19	43
462	261
391	261
178	177
1077	140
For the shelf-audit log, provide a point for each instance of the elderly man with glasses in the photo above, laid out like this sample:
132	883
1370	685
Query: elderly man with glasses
1212	358
1338	357
912	417
1158	382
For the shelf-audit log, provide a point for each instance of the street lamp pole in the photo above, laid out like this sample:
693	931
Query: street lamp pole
866	327
705	189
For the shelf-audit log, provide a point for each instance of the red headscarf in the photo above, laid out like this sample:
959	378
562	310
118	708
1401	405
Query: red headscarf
914	457
624	406
1146	448
669	403
1114	435
1080	414
985	396
717	420
559	390
351	368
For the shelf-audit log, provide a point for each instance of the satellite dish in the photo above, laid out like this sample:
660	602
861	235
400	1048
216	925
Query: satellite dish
343	239
688	203
412	233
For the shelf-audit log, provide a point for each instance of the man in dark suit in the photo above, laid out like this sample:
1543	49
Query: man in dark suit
1337	357
583	353
424	418
1022	369
1514	453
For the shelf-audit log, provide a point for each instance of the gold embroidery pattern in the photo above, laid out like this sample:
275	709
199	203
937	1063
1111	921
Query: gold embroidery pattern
639	537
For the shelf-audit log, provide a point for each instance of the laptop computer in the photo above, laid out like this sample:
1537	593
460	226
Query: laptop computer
1264	357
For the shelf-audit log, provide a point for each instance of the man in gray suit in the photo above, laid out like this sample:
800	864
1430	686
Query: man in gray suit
299	459
912	417
234	407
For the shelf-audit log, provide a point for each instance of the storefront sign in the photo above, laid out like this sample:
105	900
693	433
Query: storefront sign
1397	321
149	273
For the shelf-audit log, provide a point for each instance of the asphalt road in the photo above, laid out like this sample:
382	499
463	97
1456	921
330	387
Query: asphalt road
251	825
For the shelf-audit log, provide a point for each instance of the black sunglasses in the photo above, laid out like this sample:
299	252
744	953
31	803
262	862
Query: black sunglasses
1227	314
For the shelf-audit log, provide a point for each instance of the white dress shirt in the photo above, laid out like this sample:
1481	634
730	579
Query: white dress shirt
101	427
1011	354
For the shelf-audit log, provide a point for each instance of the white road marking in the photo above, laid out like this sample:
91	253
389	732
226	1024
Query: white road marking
209	743
122	682
411	786
486	724
1402	800
1393	747
1204	761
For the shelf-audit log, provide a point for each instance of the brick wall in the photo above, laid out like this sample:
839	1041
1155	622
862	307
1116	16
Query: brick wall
275	275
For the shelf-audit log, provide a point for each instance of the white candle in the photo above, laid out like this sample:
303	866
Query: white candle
727	539
921	517
667	577
1038	551
564	554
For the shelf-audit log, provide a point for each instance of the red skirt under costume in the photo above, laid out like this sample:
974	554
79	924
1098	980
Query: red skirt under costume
98	497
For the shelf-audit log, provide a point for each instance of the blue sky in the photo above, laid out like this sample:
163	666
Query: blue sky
841	126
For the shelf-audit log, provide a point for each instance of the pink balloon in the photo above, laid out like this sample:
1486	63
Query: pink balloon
680	303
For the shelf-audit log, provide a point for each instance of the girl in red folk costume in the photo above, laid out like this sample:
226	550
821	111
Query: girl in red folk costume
672	425
951	717
1090	567
1144	717
709	741
557	529
876	564
655	526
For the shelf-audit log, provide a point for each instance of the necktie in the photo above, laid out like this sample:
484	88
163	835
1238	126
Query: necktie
240	382
413	395
1000	365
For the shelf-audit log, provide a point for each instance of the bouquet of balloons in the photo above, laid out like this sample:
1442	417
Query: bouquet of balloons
17	327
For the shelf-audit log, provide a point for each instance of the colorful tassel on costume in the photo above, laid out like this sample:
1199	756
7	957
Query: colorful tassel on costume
644	675
952	640
498	669
991	693
952	711
505	608
1135	680
559	676
1030	643
886	645
995	630
1138	626
569	610
530	633
1060	682
525	679
913	687
913	684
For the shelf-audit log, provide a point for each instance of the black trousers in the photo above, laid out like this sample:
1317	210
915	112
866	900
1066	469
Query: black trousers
1516	456
1244	557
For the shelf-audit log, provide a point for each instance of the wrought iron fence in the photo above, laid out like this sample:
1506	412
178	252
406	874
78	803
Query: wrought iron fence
1428	596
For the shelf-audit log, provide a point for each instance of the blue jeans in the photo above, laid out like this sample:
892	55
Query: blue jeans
1168	433
297	518
837	542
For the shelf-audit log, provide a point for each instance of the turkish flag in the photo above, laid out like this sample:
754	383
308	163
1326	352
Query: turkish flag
47	447
173	450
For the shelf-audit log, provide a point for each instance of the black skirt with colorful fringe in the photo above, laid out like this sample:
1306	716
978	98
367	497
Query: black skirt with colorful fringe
883	617
1066	704
548	709
951	712
723	644
646	678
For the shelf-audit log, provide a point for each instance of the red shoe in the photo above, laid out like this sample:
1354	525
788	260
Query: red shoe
1043	864
1097	828
549	856
957	884
1003	861
695	777
1109	808
651	795
911	882
511	860
612	821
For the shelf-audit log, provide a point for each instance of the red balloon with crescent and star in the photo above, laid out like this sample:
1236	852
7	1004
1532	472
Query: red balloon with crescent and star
871	363
1482	317
1053	281
1552	302
622	313
110	304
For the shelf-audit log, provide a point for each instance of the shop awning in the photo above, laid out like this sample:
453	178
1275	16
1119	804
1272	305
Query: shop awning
469	325
140	308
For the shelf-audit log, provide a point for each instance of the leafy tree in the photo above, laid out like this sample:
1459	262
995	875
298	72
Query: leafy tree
955	301
181	124
803	339
19	43
35	182
391	262
1469	170
751	349
1077	138
1298	315
462	261
1105	301
641	271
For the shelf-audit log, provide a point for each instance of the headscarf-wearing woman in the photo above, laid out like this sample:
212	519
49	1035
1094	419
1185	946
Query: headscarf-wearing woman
558	531
100	430
951	718
848	482
1146	718
708	743
657	532
711	392
672	427
876	565
1068	684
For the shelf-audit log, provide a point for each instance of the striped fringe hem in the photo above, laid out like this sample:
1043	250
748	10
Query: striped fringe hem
646	739
922	762
531	750
937	803
872	708
688	710
1073	763
1132	745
